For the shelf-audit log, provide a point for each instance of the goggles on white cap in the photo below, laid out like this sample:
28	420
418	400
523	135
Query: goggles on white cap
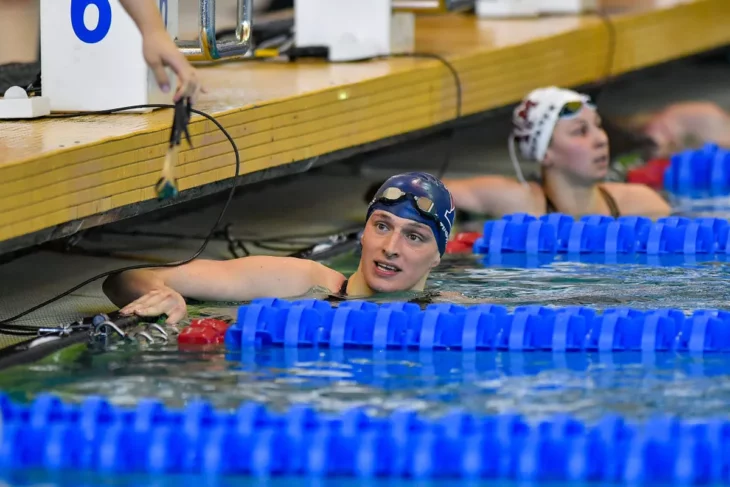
534	119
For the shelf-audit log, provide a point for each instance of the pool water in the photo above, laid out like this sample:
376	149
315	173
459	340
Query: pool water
668	282
534	384
537	384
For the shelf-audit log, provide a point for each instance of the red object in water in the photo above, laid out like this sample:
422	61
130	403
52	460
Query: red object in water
651	174
462	243
203	331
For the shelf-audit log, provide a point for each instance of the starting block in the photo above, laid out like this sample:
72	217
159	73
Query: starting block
92	59
91	56
353	29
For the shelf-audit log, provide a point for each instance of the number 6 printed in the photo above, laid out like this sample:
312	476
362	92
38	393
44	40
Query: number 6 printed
78	8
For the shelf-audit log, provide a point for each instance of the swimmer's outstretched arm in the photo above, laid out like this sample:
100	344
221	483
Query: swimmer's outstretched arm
490	195
151	292
160	50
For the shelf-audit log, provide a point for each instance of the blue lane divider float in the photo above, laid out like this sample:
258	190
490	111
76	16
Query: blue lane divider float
527	261
557	233
254	440
699	172
398	325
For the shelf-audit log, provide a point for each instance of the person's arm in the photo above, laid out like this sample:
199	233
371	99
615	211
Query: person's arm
490	195
19	31
145	14
160	50
150	292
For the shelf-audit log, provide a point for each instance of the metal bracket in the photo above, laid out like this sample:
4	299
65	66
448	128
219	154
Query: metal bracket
207	47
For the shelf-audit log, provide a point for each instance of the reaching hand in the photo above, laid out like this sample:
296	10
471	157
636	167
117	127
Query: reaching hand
160	301
159	52
689	124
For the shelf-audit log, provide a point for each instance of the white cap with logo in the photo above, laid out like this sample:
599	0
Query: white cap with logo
534	119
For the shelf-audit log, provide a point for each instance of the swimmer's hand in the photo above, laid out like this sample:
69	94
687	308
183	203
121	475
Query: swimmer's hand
688	125
159	52
158	302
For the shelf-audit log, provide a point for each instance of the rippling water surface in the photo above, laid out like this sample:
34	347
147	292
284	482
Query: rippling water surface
536	385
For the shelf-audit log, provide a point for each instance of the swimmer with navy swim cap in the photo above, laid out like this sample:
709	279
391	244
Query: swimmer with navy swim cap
408	223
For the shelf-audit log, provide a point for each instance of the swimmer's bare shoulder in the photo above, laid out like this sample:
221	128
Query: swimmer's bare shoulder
492	194
325	278
637	200
511	196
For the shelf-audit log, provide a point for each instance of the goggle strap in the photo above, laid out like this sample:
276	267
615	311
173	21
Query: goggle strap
515	160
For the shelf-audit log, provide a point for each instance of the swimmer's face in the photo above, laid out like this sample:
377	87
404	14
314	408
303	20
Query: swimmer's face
579	147
397	253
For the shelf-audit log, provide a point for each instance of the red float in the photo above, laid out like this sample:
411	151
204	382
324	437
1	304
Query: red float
202	331
462	243
650	174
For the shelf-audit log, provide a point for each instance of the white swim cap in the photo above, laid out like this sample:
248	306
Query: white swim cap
533	121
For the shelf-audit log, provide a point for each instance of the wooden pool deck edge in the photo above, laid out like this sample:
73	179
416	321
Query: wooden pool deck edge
115	167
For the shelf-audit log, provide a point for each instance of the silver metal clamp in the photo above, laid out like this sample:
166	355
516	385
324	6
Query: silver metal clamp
207	47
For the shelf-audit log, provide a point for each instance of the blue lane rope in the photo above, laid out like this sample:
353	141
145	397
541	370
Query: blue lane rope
254	440
557	233
703	172
399	325
527	261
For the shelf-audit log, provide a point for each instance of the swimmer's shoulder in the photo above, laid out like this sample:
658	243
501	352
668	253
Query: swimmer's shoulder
637	199
494	195
516	197
324	277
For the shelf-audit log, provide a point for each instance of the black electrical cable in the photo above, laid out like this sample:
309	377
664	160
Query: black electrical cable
610	54
457	83
287	238
623	141
322	52
8	328
28	351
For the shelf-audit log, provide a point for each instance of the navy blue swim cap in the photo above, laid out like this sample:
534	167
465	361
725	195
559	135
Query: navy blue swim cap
420	197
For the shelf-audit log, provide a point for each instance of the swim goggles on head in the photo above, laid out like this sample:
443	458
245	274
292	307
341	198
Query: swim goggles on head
393	195
572	108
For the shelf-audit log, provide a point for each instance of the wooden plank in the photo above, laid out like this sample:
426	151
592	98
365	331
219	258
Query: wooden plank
55	171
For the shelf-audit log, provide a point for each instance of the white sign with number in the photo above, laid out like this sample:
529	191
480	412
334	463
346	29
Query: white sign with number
91	56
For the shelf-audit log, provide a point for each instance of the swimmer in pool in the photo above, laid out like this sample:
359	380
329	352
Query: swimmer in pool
561	130
408	224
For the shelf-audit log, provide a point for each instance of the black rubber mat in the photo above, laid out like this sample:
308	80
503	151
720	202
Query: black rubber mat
18	74
34	278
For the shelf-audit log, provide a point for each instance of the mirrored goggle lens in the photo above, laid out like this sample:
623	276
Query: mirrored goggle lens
573	107
424	204
392	194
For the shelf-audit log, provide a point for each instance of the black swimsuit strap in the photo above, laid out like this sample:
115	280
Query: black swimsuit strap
610	202
343	288
549	206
